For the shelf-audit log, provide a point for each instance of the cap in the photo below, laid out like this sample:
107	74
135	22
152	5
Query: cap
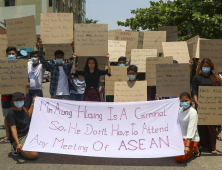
17	95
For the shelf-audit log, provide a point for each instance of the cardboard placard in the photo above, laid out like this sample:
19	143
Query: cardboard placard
119	73
91	39
140	40
102	62
130	91
112	34
116	49
212	49
14	76
3	45
21	32
56	28
154	39
131	39
151	68
194	42
190	49
51	48
178	50
210	105
171	33
138	57
172	79
198	47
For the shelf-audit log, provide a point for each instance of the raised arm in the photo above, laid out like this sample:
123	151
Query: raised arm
74	64
108	63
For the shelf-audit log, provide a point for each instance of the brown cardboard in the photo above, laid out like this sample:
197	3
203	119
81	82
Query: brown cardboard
116	49
3	45
190	49
194	42
112	34
198	47
140	40
171	33
51	48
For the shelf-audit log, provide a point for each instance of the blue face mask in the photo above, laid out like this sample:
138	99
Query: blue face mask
185	105
11	57
59	61
18	104
34	60
206	69
121	64
132	77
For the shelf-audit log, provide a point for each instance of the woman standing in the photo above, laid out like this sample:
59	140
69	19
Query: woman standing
207	133
92	74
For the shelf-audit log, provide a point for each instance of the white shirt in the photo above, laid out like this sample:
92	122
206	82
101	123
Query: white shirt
36	75
63	86
188	124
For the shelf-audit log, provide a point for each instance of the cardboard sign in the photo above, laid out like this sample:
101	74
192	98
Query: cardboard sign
178	50
140	40
198	47
102	63
56	28
138	57
130	91
212	49
51	48
21	32
151	68
116	49
112	34
3	45
190	49
194	42
119	73
14	76
171	33
132	41
210	105
91	39
172	79
153	40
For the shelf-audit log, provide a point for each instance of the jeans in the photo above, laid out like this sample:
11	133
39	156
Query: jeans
76	97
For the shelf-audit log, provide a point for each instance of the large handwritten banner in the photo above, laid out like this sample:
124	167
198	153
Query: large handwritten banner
151	68
3	45
99	129
212	49
112	34
116	49
178	50
102	62
138	57
194	42
91	39
171	33
13	75
130	91
119	73
153	40
131	39
21	32
172	79
56	28
210	105
51	48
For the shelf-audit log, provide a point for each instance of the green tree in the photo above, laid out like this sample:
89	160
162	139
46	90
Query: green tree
193	17
91	21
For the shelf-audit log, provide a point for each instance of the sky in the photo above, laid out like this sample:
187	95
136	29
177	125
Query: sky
111	11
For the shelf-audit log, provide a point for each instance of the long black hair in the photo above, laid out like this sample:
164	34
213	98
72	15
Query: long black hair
86	69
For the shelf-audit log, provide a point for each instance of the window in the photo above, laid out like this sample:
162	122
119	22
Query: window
9	2
50	2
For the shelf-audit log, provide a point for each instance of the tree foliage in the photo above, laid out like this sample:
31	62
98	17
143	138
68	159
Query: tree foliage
91	21
193	17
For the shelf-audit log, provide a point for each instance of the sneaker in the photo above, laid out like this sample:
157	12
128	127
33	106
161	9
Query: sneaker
14	153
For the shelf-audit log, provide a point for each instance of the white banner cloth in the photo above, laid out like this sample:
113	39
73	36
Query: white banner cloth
118	130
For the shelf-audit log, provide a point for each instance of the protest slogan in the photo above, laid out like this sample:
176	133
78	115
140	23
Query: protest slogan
3	45
14	76
116	130
51	48
210	105
194	42
171	33
112	34
116	49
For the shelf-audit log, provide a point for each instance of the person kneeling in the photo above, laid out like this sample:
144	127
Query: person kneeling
18	120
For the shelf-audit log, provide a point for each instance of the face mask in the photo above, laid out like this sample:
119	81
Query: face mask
11	57
185	105
132	77
59	61
121	64
206	69
18	104
34	60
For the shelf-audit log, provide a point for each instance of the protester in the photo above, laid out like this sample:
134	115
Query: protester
207	133
132	72
18	120
92	75
60	73
6	99
188	119
36	73
122	61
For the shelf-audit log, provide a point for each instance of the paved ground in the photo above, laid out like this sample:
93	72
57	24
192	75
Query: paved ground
56	161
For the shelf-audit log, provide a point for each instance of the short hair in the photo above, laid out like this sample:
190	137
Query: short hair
11	49
175	61
133	68
122	58
33	53
59	52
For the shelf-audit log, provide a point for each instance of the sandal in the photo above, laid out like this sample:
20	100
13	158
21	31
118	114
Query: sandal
219	138
214	152
5	140
197	154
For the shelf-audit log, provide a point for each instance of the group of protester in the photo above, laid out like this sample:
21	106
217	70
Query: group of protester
68	83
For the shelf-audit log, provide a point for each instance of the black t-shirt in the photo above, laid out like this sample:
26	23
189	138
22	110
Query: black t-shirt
19	119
